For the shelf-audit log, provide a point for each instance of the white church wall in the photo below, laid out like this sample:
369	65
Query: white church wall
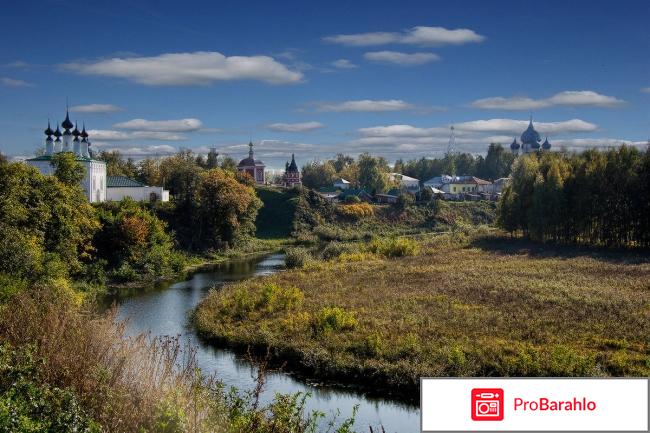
140	193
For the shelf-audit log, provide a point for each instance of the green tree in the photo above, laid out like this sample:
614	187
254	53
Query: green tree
116	165
341	162
67	169
133	240
229	164
372	173
46	225
317	174
225	209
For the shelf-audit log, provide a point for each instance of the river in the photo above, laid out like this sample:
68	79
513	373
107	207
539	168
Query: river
164	310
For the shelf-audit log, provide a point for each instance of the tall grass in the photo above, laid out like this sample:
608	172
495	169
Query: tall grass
142	384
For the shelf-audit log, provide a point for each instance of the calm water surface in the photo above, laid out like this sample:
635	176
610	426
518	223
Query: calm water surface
164	310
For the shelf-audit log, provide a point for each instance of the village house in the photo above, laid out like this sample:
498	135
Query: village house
409	184
499	185
360	193
341	184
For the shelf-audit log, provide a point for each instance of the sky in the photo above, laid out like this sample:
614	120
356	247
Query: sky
316	78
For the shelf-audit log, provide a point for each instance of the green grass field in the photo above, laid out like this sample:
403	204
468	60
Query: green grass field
490	307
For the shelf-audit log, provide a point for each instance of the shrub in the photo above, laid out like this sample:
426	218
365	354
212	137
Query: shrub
352	199
355	211
280	298
333	319
27	405
370	347
334	249
297	257
395	247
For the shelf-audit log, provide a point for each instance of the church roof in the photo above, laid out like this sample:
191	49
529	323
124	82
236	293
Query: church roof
293	166
530	135
122	182
250	161
546	145
67	124
514	145
48	131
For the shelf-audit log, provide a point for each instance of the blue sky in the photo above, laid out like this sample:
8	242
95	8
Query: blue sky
317	78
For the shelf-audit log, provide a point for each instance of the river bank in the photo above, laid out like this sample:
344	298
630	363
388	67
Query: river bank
165	310
478	308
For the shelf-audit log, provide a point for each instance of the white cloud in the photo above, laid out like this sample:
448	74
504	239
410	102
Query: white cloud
401	131
197	68
403	59
11	82
569	98
295	127
367	105
95	108
408	141
344	64
179	125
420	35
111	135
645	90
518	126
138	151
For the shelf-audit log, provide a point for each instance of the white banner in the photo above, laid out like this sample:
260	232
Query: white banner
540	404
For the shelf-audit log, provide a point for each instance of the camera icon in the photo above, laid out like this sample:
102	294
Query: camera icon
487	404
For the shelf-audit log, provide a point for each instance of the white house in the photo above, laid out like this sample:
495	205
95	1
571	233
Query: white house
341	183
499	185
119	187
94	183
410	184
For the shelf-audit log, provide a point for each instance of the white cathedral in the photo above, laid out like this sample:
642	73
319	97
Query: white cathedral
77	142
96	185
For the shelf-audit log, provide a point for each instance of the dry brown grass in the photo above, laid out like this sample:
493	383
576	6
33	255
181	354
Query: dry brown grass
126	384
496	308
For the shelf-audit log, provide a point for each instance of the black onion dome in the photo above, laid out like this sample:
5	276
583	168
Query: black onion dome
76	132
48	131
57	133
84	134
546	145
66	123
293	166
530	135
514	145
246	162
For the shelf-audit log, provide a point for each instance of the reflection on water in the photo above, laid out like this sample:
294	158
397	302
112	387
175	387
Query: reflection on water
163	310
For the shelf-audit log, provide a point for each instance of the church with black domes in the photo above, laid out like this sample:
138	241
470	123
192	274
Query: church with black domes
530	141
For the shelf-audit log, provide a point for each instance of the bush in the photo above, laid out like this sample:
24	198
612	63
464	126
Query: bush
352	199
280	298
297	257
28	405
355	211
335	249
396	247
330	319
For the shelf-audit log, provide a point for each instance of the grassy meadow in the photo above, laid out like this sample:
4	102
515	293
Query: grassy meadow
447	305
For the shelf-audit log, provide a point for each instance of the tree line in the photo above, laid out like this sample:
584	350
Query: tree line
51	234
371	173
594	197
